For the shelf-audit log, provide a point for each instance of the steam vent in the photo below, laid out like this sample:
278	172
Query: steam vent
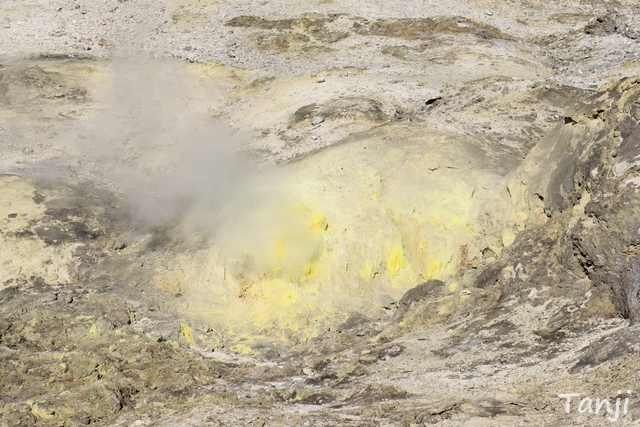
327	213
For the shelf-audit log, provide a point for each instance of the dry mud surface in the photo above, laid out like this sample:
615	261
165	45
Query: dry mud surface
320	213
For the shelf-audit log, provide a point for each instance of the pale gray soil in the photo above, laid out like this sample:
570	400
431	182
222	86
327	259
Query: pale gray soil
217	212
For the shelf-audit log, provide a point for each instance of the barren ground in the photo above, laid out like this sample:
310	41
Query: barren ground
324	213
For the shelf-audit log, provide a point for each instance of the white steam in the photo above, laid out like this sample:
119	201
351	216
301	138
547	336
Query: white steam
152	139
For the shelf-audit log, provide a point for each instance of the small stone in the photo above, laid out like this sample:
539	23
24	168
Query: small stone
433	101
317	120
50	297
321	80
271	354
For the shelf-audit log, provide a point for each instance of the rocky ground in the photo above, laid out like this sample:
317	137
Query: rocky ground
327	213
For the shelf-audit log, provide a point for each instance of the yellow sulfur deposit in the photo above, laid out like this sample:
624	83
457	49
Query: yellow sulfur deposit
187	333
38	411
241	349
374	215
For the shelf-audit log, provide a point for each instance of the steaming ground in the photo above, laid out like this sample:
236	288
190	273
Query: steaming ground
151	140
332	214
279	240
292	251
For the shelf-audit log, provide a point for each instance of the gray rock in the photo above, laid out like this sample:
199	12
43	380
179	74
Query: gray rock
427	290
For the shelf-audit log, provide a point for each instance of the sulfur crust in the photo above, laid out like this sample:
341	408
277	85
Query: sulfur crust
366	218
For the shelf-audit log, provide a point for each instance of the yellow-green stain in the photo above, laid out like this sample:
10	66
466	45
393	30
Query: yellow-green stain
37	411
241	349
368	271
311	269
319	222
187	333
396	261
433	268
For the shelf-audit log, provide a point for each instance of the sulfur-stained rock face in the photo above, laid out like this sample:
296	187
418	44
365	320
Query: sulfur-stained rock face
331	213
363	220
